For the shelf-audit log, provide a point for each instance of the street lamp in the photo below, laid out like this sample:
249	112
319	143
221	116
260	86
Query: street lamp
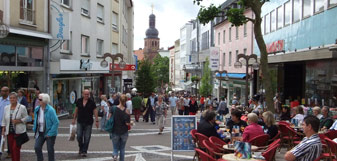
255	66
219	78
105	64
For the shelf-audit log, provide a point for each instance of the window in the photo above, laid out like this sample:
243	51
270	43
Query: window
114	21
27	13
230	34
99	47
85	45
319	5
287	12
100	13
230	59
307	9
236	55
244	51
85	7
114	48
65	46
273	20
279	16
296	10
267	24
66	3
205	40
219	38
332	3
224	36
237	33
224	59
245	30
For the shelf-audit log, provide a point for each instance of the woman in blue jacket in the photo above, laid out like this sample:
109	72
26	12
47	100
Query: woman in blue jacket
45	127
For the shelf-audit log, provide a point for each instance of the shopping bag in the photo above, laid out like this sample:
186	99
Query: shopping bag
72	132
2	145
242	150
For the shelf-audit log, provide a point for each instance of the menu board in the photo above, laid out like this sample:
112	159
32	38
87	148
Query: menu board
181	137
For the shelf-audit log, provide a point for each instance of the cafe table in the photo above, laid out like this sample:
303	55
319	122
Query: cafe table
232	157
253	148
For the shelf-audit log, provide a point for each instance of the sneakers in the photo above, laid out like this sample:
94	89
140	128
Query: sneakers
84	154
114	158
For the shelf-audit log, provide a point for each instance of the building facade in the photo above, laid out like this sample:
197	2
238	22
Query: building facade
75	61
302	46
233	41
24	52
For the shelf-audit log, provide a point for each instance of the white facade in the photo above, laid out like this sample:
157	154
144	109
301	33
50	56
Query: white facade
185	44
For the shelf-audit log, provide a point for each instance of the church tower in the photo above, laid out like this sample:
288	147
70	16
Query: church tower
151	42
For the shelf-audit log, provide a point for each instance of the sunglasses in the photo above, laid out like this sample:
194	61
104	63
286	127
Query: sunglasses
40	99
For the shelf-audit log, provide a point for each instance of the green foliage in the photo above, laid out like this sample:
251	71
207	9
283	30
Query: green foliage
206	84
195	79
145	78
207	14
160	69
236	16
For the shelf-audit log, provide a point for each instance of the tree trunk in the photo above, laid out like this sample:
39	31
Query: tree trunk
266	79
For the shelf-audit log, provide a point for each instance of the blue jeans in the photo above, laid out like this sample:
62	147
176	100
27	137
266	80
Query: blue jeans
50	147
83	136
119	142
102	123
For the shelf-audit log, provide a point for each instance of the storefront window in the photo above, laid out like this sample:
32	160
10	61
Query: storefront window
7	55
321	83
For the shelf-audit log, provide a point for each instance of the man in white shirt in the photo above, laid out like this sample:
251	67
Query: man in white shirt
173	103
186	105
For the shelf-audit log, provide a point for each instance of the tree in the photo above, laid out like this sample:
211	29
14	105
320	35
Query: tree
237	18
161	69
145	78
206	84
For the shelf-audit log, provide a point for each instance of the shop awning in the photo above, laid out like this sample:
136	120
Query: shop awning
232	75
31	33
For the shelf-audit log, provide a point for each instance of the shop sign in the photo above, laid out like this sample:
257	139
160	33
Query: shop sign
128	67
85	64
214	58
60	23
276	46
72	97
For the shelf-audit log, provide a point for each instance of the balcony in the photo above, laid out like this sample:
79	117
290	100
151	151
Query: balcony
27	16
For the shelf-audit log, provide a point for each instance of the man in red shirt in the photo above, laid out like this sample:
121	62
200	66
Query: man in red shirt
202	103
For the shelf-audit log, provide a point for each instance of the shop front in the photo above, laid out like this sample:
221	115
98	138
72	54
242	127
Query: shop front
22	63
70	78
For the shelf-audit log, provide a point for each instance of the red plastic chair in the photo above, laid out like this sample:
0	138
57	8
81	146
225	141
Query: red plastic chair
260	140
284	123
269	154
332	134
193	132
201	137
204	156
217	142
287	136
212	149
333	148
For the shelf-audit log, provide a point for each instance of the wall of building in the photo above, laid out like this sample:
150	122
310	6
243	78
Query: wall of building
185	45
244	41
40	11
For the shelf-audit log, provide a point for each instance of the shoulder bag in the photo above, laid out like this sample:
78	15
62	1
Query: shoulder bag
20	139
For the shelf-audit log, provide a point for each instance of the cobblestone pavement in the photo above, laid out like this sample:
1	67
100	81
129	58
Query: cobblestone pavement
144	144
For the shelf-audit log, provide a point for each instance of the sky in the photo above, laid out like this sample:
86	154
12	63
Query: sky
171	15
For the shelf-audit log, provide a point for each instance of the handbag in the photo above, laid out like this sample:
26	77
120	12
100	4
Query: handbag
100	113
20	139
110	123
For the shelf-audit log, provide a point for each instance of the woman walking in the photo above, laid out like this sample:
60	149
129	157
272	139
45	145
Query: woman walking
45	127
193	106
161	111
180	105
120	134
14	123
105	109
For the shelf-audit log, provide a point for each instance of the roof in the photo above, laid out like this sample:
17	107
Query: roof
139	54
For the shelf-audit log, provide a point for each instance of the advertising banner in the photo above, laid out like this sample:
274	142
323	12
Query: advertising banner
60	23
181	139
214	58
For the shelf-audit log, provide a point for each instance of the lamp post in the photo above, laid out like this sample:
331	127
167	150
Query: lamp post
105	63
255	66
219	78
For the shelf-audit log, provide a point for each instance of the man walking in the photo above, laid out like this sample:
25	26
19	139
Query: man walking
151	102
85	109
173	103
4	101
310	147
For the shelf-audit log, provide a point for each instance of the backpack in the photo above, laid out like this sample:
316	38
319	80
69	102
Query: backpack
109	126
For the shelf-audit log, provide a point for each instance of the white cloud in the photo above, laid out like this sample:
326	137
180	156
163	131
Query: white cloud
171	15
